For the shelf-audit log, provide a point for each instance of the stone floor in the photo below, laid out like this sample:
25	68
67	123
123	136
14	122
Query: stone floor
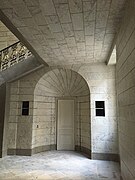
57	165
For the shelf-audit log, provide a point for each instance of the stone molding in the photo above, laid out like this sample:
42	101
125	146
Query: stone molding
83	150
106	156
29	152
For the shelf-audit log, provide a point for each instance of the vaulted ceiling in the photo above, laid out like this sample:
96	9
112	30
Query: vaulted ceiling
66	32
62	82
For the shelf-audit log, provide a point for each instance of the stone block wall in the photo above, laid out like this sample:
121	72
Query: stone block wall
41	90
44	123
125	69
83	125
7	38
104	130
20	127
103	141
2	122
56	84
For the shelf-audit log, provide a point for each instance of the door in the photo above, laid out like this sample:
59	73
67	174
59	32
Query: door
65	127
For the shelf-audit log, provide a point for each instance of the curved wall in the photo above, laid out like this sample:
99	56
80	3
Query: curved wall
37	132
104	131
67	84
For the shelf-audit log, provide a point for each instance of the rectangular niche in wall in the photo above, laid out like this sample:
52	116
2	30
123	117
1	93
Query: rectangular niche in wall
100	108
25	108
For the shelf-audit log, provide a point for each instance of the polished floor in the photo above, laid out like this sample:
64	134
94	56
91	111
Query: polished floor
57	165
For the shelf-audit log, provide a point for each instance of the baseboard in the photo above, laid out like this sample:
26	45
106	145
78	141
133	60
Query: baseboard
3	153
107	157
20	152
39	149
11	152
0	154
121	178
29	152
83	150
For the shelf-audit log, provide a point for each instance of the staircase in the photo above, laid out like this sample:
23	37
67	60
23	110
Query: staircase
13	54
15	61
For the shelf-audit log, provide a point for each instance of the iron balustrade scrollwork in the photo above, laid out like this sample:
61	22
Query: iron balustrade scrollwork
13	54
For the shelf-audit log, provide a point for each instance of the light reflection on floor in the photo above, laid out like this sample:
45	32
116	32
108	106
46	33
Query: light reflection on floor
57	165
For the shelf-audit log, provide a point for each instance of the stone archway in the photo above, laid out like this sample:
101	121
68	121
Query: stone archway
60	83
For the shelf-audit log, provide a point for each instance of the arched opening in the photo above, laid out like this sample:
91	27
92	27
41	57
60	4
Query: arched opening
65	85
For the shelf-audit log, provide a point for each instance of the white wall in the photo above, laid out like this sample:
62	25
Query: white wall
58	83
20	127
101	81
125	69
83	124
42	89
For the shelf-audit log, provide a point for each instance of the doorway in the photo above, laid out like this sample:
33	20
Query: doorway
65	125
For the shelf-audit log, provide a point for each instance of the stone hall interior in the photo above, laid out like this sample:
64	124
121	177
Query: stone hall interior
67	89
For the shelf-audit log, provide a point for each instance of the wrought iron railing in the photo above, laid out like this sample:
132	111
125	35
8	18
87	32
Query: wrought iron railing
13	54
